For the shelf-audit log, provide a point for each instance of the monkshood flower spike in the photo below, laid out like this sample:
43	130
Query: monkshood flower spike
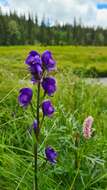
32	58
39	66
51	155
25	96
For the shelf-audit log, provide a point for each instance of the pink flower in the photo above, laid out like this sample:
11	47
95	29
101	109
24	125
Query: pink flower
87	127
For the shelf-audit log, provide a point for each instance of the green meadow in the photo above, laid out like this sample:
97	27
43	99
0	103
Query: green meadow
74	101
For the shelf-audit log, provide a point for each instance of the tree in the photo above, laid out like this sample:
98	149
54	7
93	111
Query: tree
14	33
30	30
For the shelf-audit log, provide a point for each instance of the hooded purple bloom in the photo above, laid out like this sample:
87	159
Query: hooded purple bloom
25	96
32	57
51	155
47	108
50	65
46	56
49	85
36	71
34	53
37	60
35	65
48	61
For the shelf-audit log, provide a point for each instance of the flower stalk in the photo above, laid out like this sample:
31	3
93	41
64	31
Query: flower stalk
37	66
36	136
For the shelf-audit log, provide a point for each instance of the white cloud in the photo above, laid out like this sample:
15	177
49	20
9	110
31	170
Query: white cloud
61	10
102	17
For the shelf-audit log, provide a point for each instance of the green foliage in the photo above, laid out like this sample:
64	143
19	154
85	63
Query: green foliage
74	101
14	32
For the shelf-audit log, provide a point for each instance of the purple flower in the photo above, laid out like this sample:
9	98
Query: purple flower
35	125
25	96
32	57
47	108
34	53
49	85
36	71
48	62
35	64
51	155
46	56
50	65
37	60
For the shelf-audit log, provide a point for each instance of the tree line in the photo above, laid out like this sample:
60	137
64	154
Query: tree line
19	30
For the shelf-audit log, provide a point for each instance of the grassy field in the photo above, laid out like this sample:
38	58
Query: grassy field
74	101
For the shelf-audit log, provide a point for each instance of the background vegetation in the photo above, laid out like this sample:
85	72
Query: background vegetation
17	30
83	61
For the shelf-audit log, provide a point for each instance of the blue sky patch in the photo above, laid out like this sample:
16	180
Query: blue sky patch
102	5
4	2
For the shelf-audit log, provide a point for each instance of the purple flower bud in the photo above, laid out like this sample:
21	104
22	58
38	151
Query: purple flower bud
36	71
49	85
31	57
25	96
35	125
51	155
48	62
47	108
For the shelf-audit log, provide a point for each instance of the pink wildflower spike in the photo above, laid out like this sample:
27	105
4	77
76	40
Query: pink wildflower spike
87	127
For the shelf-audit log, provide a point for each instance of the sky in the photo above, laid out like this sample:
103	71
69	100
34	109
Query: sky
91	12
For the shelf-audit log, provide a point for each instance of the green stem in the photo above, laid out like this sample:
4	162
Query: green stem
35	153
37	134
